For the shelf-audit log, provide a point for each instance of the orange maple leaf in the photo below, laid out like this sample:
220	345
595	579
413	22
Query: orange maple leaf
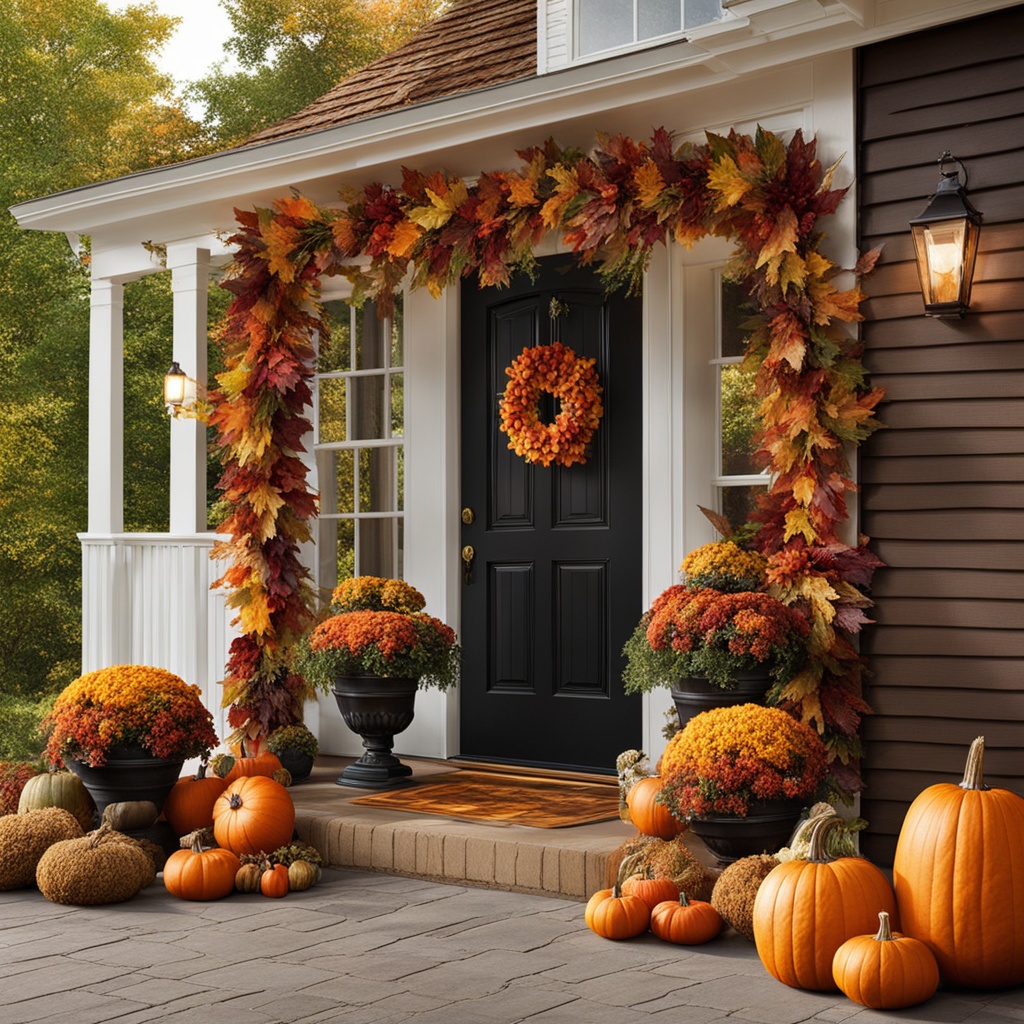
403	238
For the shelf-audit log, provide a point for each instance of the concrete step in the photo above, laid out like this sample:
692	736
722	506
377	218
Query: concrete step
569	863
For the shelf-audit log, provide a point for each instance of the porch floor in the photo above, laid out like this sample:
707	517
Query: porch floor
569	863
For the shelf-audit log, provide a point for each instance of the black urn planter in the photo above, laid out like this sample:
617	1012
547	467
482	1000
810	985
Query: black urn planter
131	773
694	695
376	708
766	828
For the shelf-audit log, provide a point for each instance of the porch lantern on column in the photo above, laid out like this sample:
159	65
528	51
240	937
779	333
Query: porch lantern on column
946	244
174	388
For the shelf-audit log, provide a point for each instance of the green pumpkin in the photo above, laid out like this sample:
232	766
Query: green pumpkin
58	789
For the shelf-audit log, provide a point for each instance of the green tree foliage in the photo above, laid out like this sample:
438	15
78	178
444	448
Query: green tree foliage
81	101
290	52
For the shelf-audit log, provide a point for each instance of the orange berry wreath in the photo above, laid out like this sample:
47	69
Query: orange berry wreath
573	381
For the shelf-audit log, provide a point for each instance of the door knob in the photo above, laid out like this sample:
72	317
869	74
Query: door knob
468	554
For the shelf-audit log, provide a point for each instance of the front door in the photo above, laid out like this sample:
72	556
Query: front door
554	587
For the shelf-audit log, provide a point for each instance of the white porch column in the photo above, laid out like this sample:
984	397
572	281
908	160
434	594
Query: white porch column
190	274
106	407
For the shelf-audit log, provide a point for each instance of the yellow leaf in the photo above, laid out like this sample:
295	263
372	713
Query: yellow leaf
254	615
649	183
826	181
233	382
792	272
818	591
781	240
725	178
264	499
798	521
442	206
803	489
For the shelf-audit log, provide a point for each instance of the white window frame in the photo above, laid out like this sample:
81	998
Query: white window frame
356	445
633	44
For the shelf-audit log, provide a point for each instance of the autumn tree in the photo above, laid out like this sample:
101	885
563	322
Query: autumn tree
289	52
81	101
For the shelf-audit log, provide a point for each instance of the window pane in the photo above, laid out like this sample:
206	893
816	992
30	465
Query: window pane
604	23
400	457
336	354
397	333
378	547
700	12
378	481
337	488
657	17
369	338
738	502
736	309
397	405
333	398
739	420
368	407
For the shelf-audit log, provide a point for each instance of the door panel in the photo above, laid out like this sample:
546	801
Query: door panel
554	590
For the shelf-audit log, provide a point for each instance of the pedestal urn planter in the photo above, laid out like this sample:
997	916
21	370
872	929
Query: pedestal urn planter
376	708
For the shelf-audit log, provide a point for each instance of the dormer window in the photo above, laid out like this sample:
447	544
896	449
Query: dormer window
613	24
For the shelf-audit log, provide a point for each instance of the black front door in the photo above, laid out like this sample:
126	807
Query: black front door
554	588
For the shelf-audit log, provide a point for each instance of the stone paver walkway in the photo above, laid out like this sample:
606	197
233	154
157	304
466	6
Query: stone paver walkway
364	948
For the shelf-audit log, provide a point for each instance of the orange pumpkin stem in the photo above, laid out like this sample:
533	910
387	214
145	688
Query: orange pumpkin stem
884	929
974	769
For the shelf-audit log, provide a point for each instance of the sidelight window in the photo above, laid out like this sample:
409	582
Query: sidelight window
359	445
737	480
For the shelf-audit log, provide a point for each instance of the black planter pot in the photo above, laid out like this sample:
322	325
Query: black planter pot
299	764
130	774
694	695
376	708
766	828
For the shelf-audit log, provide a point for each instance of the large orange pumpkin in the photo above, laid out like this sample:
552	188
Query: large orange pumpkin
806	909
254	813
649	816
959	877
189	805
200	873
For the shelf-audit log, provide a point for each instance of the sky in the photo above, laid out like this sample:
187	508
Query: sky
199	40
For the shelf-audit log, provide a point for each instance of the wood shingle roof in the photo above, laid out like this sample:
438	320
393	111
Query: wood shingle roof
473	45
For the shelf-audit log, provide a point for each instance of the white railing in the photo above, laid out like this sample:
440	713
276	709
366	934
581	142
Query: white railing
146	600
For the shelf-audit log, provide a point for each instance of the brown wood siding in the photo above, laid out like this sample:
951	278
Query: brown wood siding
943	485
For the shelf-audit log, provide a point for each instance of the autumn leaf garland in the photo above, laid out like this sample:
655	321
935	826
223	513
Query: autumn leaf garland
611	207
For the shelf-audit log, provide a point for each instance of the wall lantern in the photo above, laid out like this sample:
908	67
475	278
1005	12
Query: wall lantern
174	388
946	243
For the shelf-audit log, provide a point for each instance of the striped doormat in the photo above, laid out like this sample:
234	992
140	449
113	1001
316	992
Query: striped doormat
515	799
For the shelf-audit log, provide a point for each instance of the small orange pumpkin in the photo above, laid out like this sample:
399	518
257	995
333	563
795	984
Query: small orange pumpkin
959	877
687	922
254	813
649	816
886	971
189	805
200	872
643	885
613	915
805	910
274	881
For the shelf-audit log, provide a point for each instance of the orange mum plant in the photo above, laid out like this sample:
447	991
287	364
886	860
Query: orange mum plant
128	705
380	630
726	758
